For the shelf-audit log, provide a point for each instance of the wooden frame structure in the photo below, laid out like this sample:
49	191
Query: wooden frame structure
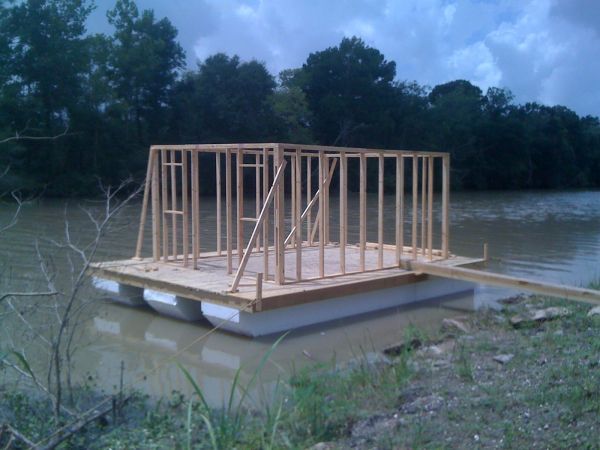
283	191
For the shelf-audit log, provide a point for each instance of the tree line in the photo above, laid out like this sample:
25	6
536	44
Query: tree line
108	97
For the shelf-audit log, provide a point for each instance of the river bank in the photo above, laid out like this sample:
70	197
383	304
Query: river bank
523	377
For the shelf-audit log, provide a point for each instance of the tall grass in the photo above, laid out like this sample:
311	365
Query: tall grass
319	403
224	425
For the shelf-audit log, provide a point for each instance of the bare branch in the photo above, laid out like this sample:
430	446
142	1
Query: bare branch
36	382
17	435
13	220
27	294
19	136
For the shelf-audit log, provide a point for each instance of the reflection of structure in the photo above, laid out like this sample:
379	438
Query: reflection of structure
287	273
147	343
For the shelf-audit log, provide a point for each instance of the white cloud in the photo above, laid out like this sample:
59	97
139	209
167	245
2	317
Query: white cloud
543	50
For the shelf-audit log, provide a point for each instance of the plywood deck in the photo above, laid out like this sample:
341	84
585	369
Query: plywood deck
211	282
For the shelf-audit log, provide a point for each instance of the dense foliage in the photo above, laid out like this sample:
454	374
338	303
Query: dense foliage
109	97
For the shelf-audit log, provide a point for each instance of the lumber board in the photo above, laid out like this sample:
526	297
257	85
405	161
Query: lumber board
479	276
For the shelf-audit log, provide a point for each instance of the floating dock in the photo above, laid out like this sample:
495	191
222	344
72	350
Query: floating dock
278	263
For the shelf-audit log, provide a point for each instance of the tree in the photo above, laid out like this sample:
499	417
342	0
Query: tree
42	77
349	88
225	100
456	109
291	109
144	62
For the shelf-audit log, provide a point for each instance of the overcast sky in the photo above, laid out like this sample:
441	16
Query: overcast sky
542	50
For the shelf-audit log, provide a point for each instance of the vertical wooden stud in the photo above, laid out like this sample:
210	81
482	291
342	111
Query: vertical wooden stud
325	215
293	196
445	204
423	203
298	213
430	210
173	187
195	210
265	235
308	199
343	209
259	287
228	224
279	231
322	162
415	201
380	213
156	212
218	193
363	209
185	207
257	193
399	207
165	204
144	213
239	161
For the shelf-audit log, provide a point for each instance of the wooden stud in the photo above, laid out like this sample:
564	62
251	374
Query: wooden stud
257	193
173	187
279	208
430	211
156	213
445	205
239	160
322	194
380	214
309	199
259	287
185	206
218	193
196	210
423	203
165	205
325	216
228	219
297	214
399	207
293	197
363	209
415	201
265	235
343	209
147	182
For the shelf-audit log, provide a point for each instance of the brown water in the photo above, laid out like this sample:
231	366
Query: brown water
552	236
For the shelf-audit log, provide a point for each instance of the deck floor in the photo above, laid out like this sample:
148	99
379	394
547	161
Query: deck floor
212	283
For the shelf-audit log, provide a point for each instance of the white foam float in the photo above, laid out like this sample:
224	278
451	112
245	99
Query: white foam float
283	319
120	293
173	305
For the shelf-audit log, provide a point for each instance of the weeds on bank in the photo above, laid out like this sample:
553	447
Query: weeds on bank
319	403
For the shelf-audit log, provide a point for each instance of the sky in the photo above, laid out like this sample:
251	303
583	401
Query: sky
546	51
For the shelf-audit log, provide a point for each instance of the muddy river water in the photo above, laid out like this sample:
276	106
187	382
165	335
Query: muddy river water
552	236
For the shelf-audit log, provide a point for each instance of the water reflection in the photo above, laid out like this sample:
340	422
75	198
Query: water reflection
552	236
150	344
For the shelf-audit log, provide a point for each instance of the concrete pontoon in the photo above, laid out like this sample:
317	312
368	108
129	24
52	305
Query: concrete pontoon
277	262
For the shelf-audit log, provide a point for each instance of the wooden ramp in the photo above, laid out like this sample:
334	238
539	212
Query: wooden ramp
479	276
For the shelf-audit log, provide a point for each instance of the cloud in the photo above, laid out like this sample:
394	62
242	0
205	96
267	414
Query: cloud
543	50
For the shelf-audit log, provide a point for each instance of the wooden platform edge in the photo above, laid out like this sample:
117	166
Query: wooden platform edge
224	299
